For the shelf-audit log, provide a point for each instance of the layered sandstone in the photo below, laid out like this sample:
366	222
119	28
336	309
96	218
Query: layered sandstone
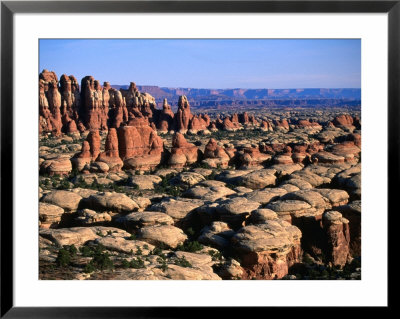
338	237
267	250
110	156
182	152
139	146
215	155
183	115
166	118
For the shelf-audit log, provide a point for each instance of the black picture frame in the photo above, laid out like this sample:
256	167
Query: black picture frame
9	8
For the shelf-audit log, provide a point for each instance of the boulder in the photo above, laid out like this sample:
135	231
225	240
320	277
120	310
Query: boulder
144	181
177	208
49	215
58	166
143	219
235	211
268	250
67	200
162	235
258	179
88	217
115	202
217	235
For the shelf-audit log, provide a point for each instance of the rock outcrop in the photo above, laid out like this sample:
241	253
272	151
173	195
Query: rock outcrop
111	154
268	250
344	121
92	103
215	155
183	115
89	152
338	237
139	146
166	119
182	152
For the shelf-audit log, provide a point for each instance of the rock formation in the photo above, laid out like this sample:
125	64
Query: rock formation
118	113
251	156
215	155
182	152
268	250
343	120
338	237
183	115
139	146
111	154
92	101
228	125
89	152
166	119
281	125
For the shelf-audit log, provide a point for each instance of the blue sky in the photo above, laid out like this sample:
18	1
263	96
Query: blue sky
241	63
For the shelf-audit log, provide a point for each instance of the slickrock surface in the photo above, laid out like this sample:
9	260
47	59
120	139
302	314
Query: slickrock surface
162	234
134	187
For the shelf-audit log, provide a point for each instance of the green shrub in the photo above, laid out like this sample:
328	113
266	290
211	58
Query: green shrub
64	184
72	249
89	268
164	265
137	263
86	251
102	261
157	251
211	176
165	187
132	237
190	246
183	262
125	263
63	258
215	255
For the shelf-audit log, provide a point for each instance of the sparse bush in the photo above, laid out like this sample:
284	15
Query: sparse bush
102	261
164	265
215	255
190	246
132	237
63	258
125	264
183	262
158	252
165	186
89	268
72	249
137	263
